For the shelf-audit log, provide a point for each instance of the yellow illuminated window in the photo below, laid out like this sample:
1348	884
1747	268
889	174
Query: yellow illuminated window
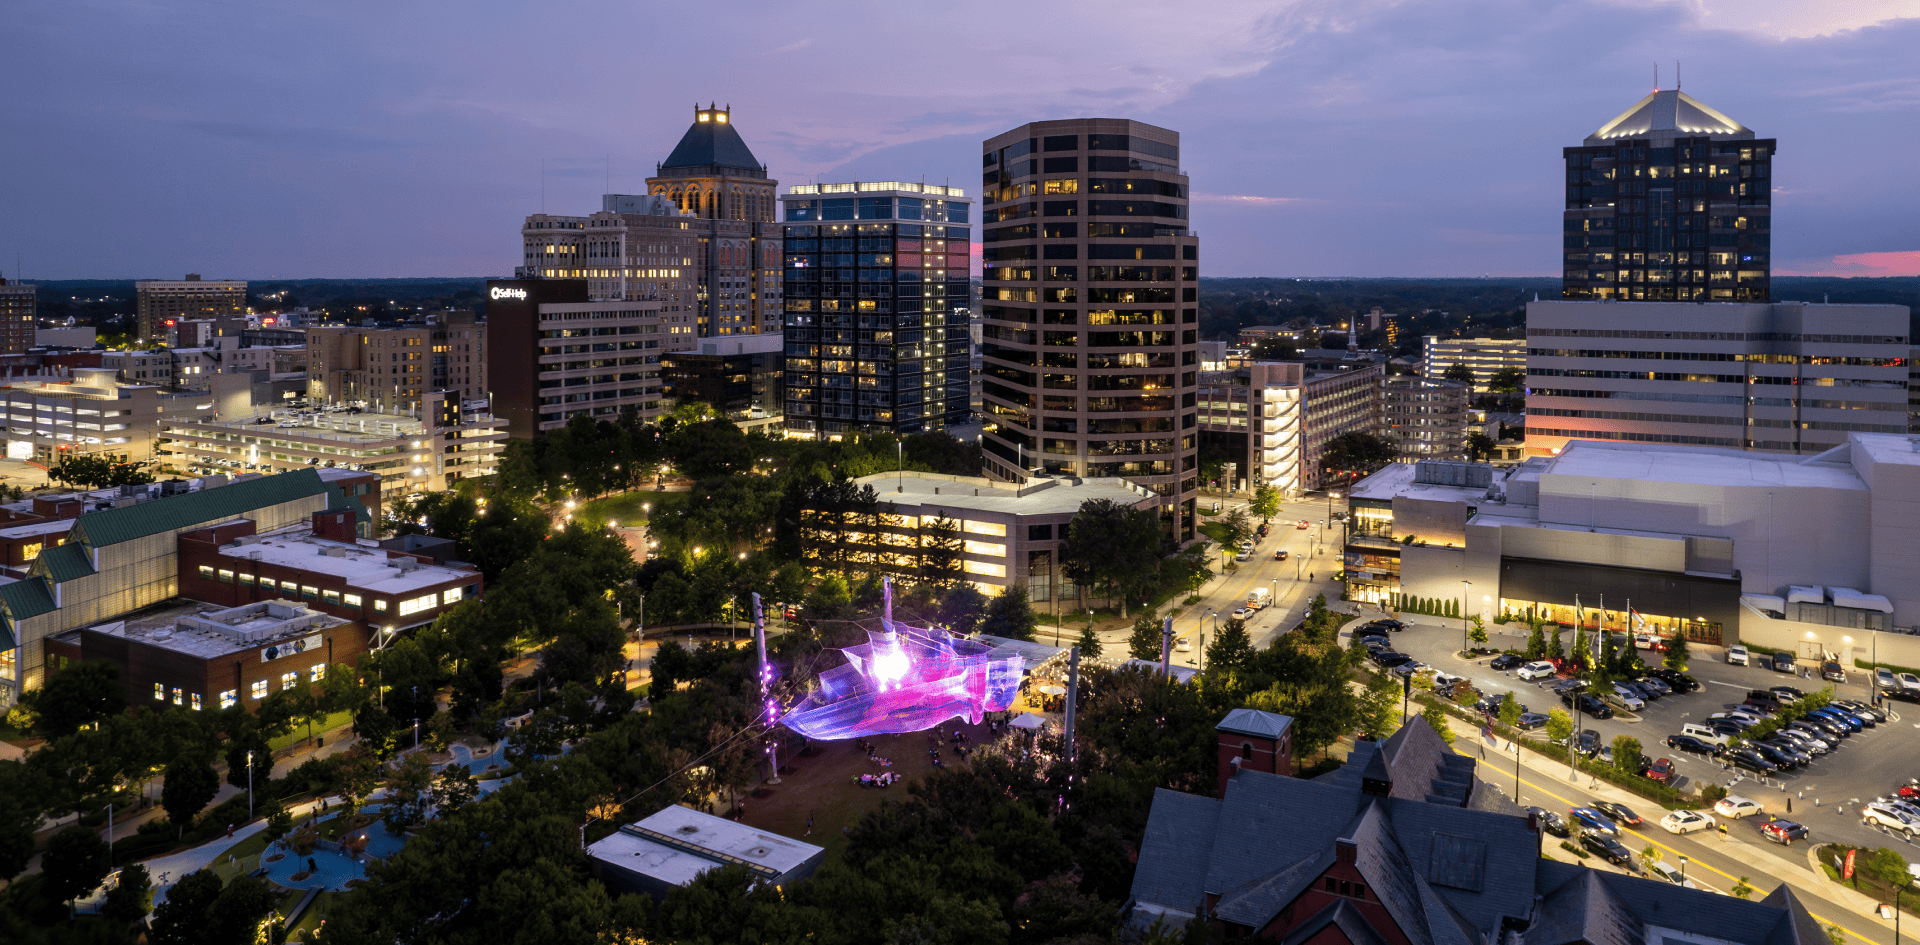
984	548
985	528
987	568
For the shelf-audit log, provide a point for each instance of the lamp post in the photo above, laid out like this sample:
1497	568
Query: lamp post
1200	629
1683	870
1466	642
249	784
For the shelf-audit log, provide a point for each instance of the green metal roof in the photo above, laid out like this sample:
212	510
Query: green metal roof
27	599
113	526
65	563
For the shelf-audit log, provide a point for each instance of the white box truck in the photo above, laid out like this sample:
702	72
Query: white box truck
1259	597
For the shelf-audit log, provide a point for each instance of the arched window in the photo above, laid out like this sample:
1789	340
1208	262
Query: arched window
1246	751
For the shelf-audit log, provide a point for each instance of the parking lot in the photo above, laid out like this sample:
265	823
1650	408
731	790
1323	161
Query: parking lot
1825	795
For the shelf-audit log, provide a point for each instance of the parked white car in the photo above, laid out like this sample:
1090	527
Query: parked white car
1907	680
1884	677
1628	698
1880	814
1737	654
1686	821
1660	870
1735	807
1540	669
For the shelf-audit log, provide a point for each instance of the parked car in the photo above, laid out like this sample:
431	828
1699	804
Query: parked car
1763	700
1541	669
1241	613
1681	682
1628	697
1705	733
1654	685
1909	789
1661	871
1786	694
1783	663
1686	821
1407	668
1737	654
1883	677
1660	771
1586	742
1246	548
1882	814
1646	641
1692	745
1782	832
1388	624
1587	704
1772	753
1901	695
1751	760
1593	821
1387	659
1608	848
1833	672
1861	708
1531	720
1618	813
1549	821
1735	807
1904	806
1907	681
1832	714
1506	661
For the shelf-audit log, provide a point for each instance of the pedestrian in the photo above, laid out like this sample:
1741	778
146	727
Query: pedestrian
229	831
809	825
312	867
1309	576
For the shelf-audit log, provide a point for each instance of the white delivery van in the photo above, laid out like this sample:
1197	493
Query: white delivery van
1259	597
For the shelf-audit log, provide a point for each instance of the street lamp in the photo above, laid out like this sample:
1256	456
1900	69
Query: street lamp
1200	629
1683	870
249	784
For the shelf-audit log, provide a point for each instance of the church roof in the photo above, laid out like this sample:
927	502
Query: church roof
1669	113
711	142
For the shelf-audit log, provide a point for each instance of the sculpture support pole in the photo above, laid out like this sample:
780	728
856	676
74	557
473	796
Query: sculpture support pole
1073	692
766	689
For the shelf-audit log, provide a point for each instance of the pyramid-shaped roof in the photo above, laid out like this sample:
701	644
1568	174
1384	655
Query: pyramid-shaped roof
711	142
1669	113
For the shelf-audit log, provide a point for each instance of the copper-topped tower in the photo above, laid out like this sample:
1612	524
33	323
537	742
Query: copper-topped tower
1669	201
713	175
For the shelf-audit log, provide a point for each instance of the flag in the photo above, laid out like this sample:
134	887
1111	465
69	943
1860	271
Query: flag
1637	622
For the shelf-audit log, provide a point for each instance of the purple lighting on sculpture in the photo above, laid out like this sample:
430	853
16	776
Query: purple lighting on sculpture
906	679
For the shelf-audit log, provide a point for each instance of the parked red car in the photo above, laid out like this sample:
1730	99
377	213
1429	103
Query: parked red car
1661	770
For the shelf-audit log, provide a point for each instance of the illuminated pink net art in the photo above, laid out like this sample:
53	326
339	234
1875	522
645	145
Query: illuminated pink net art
907	679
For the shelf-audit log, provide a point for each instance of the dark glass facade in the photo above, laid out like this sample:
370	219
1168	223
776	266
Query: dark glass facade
876	287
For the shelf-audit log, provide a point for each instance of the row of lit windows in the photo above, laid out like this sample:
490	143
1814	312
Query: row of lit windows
259	689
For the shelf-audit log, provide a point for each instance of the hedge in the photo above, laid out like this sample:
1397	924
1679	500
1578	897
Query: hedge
1651	790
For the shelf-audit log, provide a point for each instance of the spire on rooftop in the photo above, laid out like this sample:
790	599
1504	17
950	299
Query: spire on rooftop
1669	113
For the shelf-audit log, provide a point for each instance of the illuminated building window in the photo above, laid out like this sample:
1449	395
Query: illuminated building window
228	698
259	689
160	692
987	569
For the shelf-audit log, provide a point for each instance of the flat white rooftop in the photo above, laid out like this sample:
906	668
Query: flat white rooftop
969	493
367	568
1396	479
677	844
171	627
1707	467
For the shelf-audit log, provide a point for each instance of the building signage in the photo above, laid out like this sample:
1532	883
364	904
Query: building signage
291	648
503	292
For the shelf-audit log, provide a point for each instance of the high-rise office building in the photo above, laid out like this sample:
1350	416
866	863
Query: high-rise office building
158	302
17	304
1090	349
554	353
1425	417
637	248
1485	357
713	176
1670	201
877	314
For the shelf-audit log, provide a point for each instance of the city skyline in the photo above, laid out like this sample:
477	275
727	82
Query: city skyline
263	146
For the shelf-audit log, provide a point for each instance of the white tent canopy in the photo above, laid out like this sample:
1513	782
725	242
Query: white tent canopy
1028	721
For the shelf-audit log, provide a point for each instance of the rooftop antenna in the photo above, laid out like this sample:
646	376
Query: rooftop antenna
1676	75
543	185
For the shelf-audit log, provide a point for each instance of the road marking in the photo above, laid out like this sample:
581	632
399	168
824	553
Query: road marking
1716	682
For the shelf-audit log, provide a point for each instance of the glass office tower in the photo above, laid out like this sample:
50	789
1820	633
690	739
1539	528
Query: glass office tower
876	283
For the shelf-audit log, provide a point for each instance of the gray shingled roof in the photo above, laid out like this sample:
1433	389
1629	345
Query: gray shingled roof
1255	903
1797	926
712	144
1342	914
1389	872
1255	722
1176	850
1583	910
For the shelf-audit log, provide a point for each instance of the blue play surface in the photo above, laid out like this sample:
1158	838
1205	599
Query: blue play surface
335	869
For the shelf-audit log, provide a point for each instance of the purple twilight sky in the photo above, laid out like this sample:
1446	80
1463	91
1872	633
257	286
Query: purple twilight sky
271	139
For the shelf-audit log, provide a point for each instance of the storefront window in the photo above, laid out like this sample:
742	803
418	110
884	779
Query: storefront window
259	689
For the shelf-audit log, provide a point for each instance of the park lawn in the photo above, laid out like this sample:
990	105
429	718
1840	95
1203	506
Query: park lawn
299	731
316	913
625	508
1215	531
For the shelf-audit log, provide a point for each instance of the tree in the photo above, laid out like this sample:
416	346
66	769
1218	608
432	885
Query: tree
1648	857
182	919
1009	614
74	862
21	792
407	786
940	550
710	450
1378	714
1742	889
1626	754
1884	865
454	789
1677	655
1144	642
1507	380
235	915
1458	372
961	608
1477	631
1536	640
831	599
1554	649
1237	526
1437	717
1115	547
191	784
1559	726
1480	446
131	897
81	694
1357	453
1265	503
98	472
1089	643
1232	648
1509	710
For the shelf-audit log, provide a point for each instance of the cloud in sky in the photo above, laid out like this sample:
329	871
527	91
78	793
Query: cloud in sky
1389	137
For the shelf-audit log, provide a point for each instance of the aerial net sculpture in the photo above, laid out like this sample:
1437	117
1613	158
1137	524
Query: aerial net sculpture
907	679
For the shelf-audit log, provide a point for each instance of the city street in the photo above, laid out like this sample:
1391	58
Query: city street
1313	558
